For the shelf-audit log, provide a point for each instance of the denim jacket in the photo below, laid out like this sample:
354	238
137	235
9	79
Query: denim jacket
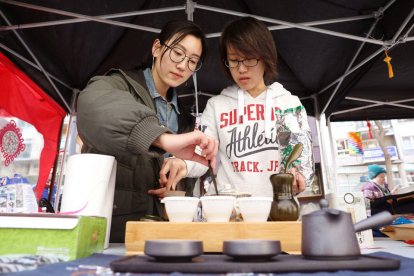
167	111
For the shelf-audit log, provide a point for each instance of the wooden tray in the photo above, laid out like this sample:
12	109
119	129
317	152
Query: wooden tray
213	233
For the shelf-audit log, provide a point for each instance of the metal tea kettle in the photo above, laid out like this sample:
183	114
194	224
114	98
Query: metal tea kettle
329	234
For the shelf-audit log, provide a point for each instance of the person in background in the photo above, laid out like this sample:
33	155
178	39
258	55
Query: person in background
134	116
377	187
245	117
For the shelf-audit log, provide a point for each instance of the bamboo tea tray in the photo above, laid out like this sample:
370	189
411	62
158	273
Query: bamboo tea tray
213	233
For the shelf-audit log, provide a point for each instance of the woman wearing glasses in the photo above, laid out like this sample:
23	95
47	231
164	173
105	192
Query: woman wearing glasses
133	115
257	122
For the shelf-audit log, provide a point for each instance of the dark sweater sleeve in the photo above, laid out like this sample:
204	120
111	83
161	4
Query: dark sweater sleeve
111	121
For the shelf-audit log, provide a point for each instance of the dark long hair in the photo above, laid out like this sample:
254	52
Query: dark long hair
183	28
249	36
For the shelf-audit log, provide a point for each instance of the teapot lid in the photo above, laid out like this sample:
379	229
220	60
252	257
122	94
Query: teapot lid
324	203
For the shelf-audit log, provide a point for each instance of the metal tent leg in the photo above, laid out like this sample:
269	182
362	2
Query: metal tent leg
78	20
294	25
350	64
37	61
333	154
379	102
77	15
34	65
312	23
189	9
370	106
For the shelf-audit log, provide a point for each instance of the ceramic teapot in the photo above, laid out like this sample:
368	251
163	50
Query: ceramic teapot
329	234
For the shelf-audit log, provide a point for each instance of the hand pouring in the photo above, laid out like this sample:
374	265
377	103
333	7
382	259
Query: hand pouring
329	234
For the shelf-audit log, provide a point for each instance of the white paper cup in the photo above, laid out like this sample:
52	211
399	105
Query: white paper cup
180	208
255	209
217	208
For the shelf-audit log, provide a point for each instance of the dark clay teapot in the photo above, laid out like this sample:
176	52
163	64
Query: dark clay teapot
329	234
284	207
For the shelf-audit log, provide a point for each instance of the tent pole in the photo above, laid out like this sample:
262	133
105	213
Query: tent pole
90	18
352	70
73	133
37	61
77	20
316	106
312	23
350	64
388	5
34	65
189	10
294	25
199	93
405	37
62	165
379	102
395	37
305	98
74	130
333	155
53	180
370	106
195	92
322	151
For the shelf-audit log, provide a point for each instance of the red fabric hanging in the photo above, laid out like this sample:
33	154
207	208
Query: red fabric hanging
23	99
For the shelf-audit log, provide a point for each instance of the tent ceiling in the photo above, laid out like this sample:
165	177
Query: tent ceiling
308	61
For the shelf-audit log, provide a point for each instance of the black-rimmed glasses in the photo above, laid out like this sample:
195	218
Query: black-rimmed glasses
177	55
250	62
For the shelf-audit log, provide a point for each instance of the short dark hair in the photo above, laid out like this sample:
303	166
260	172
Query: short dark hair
249	36
183	28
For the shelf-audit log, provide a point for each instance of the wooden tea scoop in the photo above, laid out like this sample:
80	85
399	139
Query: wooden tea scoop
294	155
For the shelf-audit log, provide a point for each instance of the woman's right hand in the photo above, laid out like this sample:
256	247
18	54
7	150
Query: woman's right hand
183	146
172	171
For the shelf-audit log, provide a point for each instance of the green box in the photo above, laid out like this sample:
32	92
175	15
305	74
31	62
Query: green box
67	237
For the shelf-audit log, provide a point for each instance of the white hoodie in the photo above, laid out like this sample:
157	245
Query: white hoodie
249	146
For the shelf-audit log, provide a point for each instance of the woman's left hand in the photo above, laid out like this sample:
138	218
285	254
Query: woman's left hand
299	184
172	171
159	192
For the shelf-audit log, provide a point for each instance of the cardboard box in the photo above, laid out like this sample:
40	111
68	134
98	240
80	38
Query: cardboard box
402	232
67	237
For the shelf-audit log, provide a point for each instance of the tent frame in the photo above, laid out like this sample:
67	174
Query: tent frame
189	8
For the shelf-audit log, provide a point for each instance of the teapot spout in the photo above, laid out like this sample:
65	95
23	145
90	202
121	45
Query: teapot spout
380	219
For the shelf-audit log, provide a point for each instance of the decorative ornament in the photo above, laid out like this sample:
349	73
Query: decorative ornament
369	129
11	142
388	61
355	143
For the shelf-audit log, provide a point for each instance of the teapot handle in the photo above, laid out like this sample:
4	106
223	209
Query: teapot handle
380	219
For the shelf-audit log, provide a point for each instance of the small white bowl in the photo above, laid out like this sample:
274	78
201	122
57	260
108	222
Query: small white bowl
255	209
217	208
180	208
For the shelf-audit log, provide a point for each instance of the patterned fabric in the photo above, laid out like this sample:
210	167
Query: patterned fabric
16	263
374	190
